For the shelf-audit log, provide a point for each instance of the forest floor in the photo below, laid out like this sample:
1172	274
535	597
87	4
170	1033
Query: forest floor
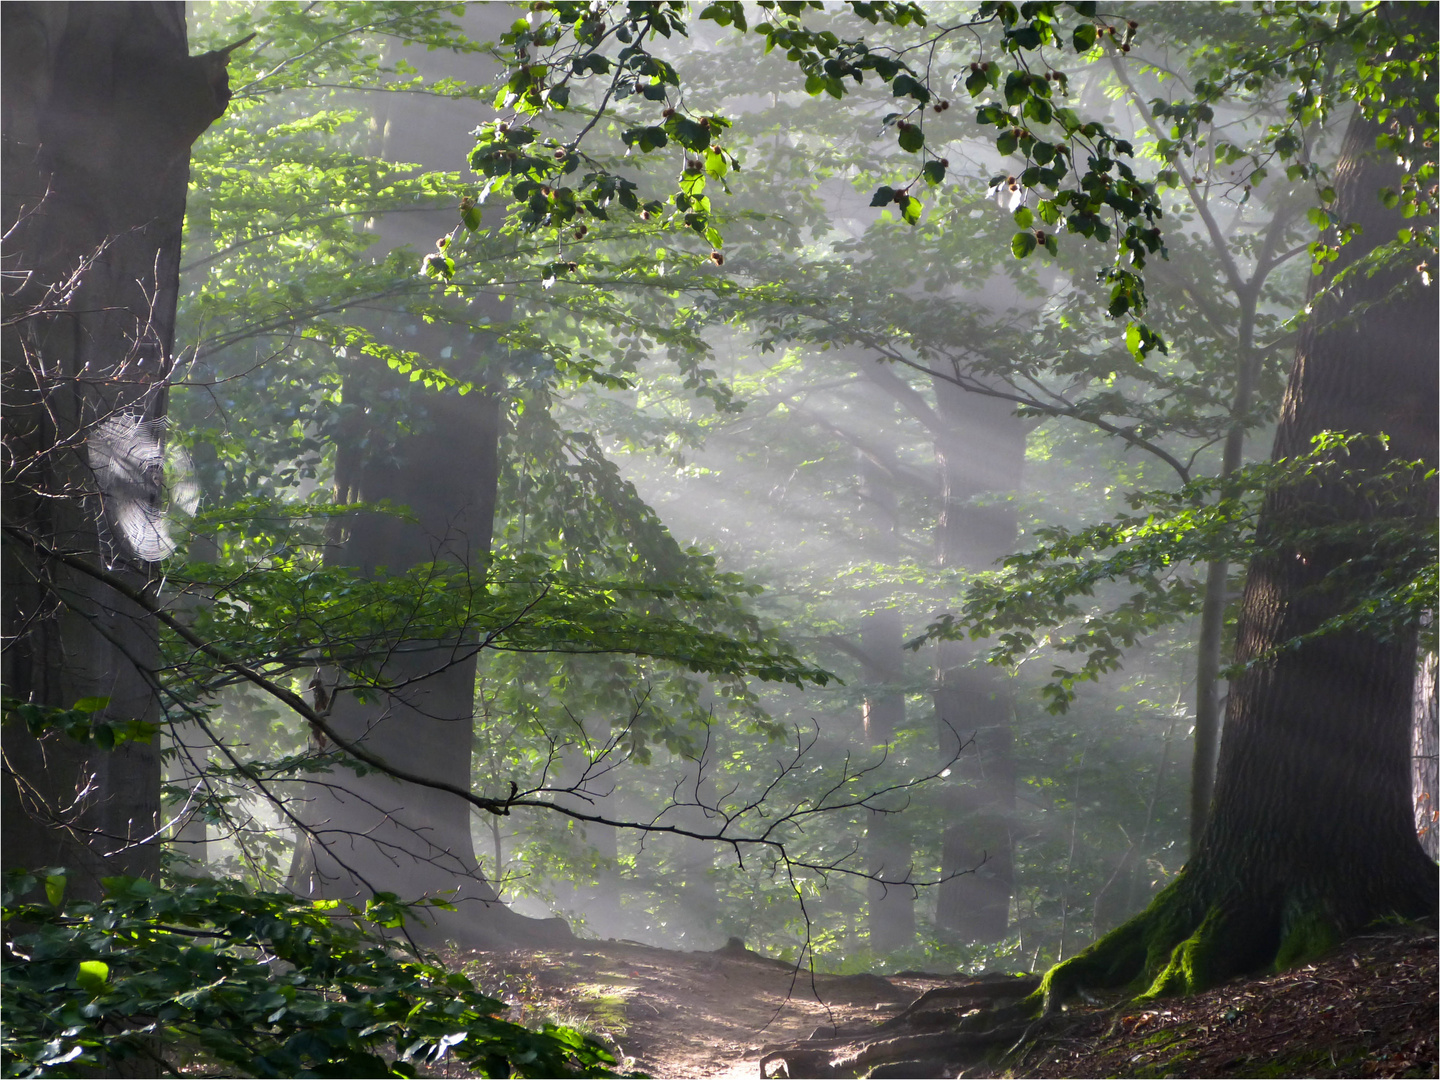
1370	1008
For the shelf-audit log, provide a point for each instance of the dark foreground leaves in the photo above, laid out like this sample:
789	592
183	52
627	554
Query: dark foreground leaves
210	979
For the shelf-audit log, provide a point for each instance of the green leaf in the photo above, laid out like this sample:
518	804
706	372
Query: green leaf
1027	37
910	209
1007	142
713	237
907	85
92	976
1132	340
883	196
1318	217
1084	37
90	704
912	139
1048	211
1022	244
470	215
976	82
1024	218
934	172
1017	87
55	889
815	85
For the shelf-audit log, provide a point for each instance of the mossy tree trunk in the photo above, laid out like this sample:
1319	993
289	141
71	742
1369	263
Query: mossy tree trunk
1311	835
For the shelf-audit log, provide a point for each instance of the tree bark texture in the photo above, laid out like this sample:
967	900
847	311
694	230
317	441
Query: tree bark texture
1312	804
981	458
101	103
1425	755
1311	835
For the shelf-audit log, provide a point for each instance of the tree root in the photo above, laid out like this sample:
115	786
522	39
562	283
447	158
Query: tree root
896	1048
1183	943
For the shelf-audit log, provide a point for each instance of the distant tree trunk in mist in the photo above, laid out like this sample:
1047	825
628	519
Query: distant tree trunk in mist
1425	745
101	104
888	853
373	833
887	847
982	452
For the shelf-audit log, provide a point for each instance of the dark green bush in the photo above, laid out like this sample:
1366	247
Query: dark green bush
150	980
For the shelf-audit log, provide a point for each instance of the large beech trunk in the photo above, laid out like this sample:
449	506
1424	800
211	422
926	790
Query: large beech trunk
371	833
1312	804
1311	835
101	105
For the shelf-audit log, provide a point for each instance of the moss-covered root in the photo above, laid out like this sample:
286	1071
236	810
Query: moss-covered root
1179	945
1126	955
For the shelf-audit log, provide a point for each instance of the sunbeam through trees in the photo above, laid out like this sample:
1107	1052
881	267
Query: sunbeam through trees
869	489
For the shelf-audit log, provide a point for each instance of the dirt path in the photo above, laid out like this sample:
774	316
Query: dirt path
1370	1009
679	1014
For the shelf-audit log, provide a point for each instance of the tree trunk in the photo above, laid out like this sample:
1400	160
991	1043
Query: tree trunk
374	833
1312	831
888	854
1425	746
982	454
973	711
101	105
371	833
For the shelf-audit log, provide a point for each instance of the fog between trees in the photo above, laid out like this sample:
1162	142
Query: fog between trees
657	527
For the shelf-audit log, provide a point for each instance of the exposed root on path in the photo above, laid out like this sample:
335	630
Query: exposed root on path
1367	1008
1317	1019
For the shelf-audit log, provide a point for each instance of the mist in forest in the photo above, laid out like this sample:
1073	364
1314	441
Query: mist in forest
902	410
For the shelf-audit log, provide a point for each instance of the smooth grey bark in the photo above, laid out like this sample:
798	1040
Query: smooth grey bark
370	833
101	103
